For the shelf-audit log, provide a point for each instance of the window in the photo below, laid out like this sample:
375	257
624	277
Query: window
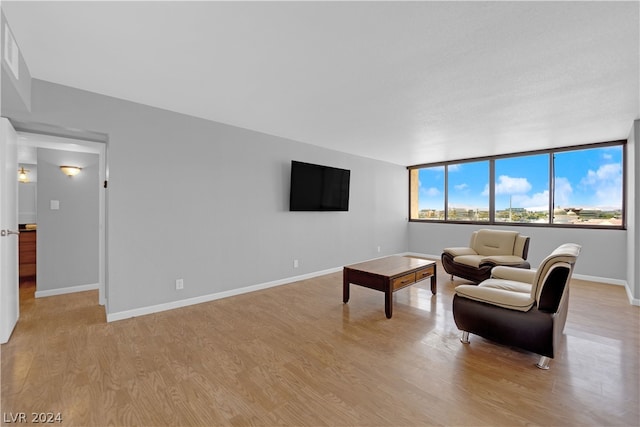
522	189
588	187
581	186
468	191
428	196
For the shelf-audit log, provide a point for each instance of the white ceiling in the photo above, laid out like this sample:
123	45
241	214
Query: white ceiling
404	82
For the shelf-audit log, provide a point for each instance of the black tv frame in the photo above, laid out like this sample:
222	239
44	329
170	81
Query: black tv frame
318	188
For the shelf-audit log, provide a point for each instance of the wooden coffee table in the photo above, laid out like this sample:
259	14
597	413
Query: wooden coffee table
387	275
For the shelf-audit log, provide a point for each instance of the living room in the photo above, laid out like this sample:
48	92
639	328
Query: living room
232	184
206	201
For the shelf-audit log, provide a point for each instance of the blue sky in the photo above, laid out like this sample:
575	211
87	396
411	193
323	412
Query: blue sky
590	178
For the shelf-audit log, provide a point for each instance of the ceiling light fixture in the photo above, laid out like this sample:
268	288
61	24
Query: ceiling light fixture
22	175
70	170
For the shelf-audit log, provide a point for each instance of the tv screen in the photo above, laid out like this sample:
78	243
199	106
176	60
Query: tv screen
318	188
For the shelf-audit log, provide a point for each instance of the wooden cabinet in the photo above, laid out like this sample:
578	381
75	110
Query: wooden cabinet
27	253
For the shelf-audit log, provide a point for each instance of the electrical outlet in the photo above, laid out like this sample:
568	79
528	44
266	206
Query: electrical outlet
295	263
180	284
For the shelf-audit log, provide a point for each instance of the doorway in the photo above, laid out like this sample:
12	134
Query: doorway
56	150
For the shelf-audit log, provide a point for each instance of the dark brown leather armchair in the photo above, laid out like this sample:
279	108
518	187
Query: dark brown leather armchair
520	308
487	249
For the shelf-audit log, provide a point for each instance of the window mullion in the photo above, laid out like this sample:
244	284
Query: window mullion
552	186
492	191
446	192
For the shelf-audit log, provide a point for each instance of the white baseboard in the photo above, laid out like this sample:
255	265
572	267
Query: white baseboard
67	290
614	282
632	300
603	280
417	254
126	314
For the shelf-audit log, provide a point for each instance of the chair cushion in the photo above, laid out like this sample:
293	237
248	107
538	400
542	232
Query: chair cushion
507	285
520	301
479	260
494	242
470	260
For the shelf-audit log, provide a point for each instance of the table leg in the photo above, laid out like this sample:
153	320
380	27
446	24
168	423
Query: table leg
345	286
388	303
433	283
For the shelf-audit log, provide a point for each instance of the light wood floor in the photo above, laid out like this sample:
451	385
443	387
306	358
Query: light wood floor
295	355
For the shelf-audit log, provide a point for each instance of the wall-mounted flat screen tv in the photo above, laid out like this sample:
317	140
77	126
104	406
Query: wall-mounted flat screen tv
318	188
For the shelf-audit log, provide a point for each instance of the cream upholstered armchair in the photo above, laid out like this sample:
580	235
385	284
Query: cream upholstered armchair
487	249
520	308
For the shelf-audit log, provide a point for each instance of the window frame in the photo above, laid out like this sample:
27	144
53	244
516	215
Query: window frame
491	159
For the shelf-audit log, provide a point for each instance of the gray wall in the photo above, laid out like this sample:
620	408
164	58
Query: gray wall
194	199
207	202
27	202
67	244
16	93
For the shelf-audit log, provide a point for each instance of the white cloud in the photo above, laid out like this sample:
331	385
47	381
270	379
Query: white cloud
563	192
461	187
536	202
605	184
611	172
431	192
510	185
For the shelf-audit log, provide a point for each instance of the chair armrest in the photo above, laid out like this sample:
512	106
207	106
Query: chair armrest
502	260
499	297
454	252
512	273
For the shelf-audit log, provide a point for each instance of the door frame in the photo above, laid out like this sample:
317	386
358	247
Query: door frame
37	140
9	283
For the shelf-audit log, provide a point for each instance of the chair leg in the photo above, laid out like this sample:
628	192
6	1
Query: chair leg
464	339
543	363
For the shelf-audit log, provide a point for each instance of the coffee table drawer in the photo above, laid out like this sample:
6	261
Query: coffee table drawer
427	272
402	281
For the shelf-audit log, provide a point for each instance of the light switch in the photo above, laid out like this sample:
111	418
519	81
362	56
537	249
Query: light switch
55	205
